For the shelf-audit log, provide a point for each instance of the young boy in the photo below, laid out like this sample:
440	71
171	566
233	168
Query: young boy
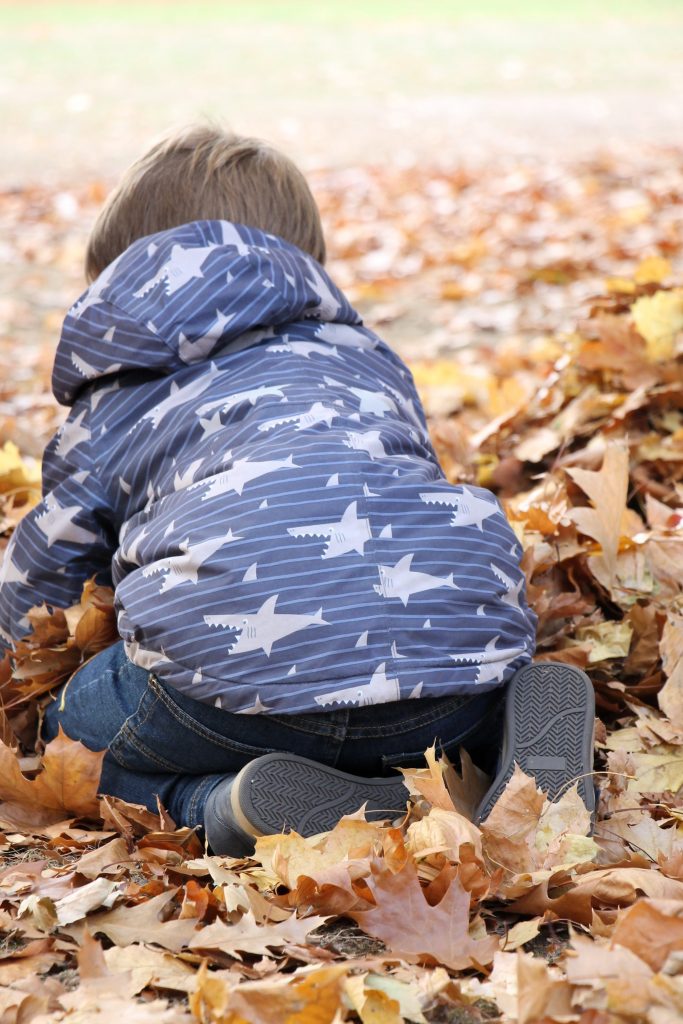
304	601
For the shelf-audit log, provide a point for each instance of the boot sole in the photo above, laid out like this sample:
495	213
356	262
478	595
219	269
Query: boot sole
554	746
284	791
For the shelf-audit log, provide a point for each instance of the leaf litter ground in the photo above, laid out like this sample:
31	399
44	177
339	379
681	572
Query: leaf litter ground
550	363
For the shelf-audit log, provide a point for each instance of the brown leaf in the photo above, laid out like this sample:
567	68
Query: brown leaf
671	695
143	923
652	930
247	936
412	929
311	998
607	490
66	785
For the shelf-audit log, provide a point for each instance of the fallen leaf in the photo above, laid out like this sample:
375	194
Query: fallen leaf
412	929
607	490
67	784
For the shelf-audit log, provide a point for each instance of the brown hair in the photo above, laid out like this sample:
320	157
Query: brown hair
205	173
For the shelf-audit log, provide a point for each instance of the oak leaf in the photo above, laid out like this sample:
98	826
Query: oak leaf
416	931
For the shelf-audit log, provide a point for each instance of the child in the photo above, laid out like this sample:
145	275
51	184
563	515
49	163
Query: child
304	601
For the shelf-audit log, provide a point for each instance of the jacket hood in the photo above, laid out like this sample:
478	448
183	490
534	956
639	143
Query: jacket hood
186	294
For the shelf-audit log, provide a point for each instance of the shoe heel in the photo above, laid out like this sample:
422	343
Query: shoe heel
549	725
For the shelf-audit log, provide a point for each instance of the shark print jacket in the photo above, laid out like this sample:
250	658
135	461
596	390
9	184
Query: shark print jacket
250	467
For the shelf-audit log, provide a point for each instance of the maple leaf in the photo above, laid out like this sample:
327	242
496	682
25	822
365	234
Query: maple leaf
659	319
65	787
413	929
607	490
248	936
307	997
671	695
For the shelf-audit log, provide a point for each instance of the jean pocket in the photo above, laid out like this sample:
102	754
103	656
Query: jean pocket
162	736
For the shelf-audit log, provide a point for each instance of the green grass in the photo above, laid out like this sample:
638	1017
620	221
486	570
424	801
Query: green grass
167	12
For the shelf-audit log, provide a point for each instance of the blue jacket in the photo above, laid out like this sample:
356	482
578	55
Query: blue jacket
252	467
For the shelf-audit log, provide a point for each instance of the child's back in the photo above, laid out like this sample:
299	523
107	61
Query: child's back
287	540
251	468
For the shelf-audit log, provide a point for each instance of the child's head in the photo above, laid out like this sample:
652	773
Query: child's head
204	173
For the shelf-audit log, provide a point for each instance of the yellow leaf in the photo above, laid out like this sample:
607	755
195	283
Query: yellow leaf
620	285
606	640
18	475
652	270
658	319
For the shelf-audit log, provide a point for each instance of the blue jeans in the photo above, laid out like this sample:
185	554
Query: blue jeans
162	743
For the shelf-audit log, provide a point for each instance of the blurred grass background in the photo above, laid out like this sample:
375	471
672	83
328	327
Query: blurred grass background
84	87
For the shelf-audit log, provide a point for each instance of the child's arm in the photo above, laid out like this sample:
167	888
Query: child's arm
65	539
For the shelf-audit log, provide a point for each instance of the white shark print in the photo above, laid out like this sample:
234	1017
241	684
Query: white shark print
241	473
401	581
57	524
10	572
257	708
193	351
144	658
348	534
304	348
345	335
231	236
88	370
514	590
71	435
104	393
179	396
183	480
328	306
408	406
181	268
94	294
185	568
252	396
318	413
492	662
380	690
369	441
260	630
470	509
212	425
131	552
374	402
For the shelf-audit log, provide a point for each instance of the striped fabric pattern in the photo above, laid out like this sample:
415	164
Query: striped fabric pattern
251	467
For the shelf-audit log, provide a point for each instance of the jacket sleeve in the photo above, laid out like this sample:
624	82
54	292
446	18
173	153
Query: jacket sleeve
65	539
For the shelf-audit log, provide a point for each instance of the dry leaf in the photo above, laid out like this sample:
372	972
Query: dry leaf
412	929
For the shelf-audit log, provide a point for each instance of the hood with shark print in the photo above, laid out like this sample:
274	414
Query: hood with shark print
244	282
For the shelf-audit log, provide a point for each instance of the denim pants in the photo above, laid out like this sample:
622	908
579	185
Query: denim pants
161	743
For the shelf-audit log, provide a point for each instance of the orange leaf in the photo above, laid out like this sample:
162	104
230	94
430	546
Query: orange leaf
65	787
